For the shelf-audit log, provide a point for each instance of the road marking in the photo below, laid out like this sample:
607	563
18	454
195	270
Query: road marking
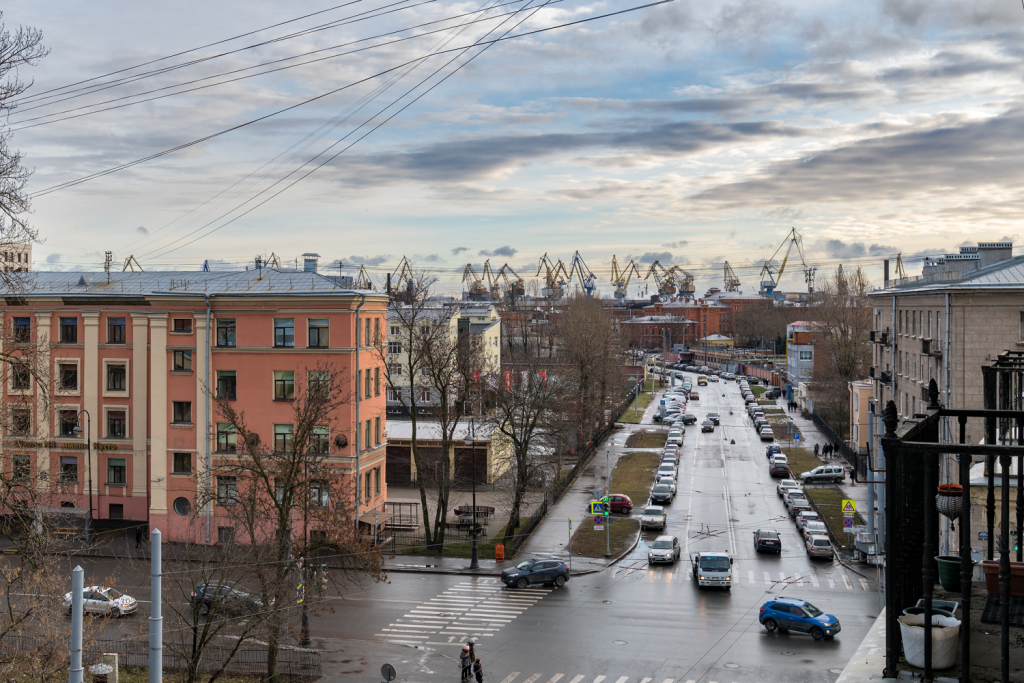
750	576
668	680
599	679
511	677
623	679
577	679
767	579
864	584
846	580
648	680
814	580
554	679
799	580
782	577
831	583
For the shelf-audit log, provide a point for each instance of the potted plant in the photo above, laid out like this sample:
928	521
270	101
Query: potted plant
949	501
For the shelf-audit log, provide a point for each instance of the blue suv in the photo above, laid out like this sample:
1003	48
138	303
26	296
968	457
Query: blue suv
790	614
536	571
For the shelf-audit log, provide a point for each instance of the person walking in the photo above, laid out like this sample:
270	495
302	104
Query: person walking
466	662
815	450
138	537
478	671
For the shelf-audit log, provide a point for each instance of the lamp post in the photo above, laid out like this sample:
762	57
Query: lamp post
474	560
77	430
306	641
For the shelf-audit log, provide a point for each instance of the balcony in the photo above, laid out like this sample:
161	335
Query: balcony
879	337
883	376
930	348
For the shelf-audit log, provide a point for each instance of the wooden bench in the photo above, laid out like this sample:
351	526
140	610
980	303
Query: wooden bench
464	527
484	512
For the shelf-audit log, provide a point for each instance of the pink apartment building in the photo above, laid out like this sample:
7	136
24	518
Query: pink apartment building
136	351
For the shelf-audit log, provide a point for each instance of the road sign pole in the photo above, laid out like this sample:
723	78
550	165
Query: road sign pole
570	545
607	493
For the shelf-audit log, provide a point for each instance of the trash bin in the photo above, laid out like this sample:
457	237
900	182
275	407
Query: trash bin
101	673
945	637
499	552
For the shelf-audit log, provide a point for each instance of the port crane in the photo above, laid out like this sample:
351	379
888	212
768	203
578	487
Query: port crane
555	277
621	278
586	277
732	283
771	274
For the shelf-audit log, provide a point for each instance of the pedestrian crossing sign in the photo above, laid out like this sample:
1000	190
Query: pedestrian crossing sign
849	505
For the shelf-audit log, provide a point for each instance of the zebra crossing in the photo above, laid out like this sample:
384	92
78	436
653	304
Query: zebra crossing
812	580
477	609
581	678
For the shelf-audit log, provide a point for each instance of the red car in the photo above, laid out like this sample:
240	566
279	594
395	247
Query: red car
694	396
621	503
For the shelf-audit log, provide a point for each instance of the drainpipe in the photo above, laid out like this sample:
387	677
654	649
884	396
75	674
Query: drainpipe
949	436
358	477
871	469
209	346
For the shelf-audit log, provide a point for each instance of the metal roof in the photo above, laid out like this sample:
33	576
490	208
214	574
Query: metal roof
263	281
1008	274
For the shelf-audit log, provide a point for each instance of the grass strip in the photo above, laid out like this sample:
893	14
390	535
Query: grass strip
634	475
828	501
647	439
589	543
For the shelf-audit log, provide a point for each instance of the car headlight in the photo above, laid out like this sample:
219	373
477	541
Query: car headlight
702	578
728	578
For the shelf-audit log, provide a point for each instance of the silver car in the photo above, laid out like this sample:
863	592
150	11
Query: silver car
664	549
103	600
819	546
653	518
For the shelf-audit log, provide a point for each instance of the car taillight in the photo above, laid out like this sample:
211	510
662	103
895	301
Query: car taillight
764	609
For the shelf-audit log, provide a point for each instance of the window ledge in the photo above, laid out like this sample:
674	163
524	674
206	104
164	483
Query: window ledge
64	343
181	372
183	425
181	474
285	400
181	334
118	484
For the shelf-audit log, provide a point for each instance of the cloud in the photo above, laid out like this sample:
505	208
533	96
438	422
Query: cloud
369	260
843	250
430	258
53	258
506	251
665	257
458	250
142	230
676	245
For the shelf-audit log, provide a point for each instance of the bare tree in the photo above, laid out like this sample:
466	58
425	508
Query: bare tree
271	487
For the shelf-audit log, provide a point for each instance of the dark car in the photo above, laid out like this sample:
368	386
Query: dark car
661	493
774	393
779	469
657	417
767	539
707	426
225	598
689	419
536	571
772	449
713	417
791	614
621	503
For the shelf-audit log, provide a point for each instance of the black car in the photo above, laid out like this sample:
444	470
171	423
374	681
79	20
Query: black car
689	419
657	417
225	598
767	539
536	571
779	469
661	494
714	418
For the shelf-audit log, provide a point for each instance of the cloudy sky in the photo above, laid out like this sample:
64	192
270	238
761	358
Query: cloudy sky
689	132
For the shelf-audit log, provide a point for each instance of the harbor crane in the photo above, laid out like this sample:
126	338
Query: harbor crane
771	274
363	281
732	283
673	280
514	286
555	277
587	278
401	281
621	278
476	289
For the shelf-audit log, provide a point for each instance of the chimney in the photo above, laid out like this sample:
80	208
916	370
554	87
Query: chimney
885	272
309	262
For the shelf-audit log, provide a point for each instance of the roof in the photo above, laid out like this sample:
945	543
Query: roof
263	281
716	337
429	430
1008	274
804	323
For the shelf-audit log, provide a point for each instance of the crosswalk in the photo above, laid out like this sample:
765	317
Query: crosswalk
810	580
476	609
514	677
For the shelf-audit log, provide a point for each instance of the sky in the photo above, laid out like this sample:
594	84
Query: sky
690	133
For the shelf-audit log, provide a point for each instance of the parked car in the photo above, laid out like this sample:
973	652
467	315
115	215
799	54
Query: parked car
675	440
791	614
713	378
689	419
771	449
694	396
785	485
714	417
779	469
806	516
665	470
226	598
799	505
669	482
819	546
792	494
766	434
814	529
824	474
653	517
662	493
536	571
620	503
104	600
670	458
707	426
664	549
767	539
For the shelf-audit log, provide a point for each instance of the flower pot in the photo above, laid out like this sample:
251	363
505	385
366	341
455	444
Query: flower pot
948	500
935	610
945	632
949	572
991	569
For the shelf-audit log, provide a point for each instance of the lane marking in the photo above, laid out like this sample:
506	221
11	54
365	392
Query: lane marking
511	677
599	679
767	579
846	580
532	678
622	679
555	678
864	584
782	577
799	580
814	580
750	576
831	583
577	679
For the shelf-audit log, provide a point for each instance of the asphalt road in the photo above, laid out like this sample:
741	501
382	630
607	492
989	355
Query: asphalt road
630	623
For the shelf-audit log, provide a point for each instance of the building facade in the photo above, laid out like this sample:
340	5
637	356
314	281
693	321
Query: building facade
141	354
800	356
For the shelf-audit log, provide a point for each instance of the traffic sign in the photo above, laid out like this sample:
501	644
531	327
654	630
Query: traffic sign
796	436
849	505
597	508
598	523
848	525
388	673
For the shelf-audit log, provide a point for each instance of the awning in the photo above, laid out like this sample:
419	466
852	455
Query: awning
367	517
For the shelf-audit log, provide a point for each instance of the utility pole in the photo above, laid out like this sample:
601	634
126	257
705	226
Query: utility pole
75	672
156	619
607	495
474	561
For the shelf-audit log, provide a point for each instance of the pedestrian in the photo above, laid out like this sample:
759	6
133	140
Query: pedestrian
466	662
478	671
138	537
815	450
853	474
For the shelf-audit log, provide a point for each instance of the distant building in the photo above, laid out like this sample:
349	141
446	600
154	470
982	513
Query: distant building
861	393
490	452
716	340
16	257
658	331
800	357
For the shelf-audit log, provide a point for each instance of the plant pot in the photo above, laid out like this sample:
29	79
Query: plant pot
945	632
948	501
991	569
949	572
935	610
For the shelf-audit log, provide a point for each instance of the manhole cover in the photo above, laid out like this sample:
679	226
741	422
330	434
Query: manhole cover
732	666
788	653
607	602
620	642
835	671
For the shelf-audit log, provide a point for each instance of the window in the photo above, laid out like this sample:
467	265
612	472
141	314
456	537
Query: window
425	395
394	347
376	481
366	335
394	330
182	325
116	377
116	331
283	438
68	422
424	330
227	490
395	370
938	325
226	535
394	394
182	361
284	332
806	355
68	468
376	431
318	383
116	511
68	376
319	496
226	385
279	491
117	471
376	331
376	381
21	378
182	463
182	411
21	421
318	332
182	506
69	330
366	382
226	437
320	440
928	332
116	423
225	331
366	440
22	329
284	385
366	486
21	467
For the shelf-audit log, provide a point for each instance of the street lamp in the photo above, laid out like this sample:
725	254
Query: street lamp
77	431
474	561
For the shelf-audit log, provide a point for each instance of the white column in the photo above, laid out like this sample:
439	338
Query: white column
140	404
202	418
91	380
44	412
158	413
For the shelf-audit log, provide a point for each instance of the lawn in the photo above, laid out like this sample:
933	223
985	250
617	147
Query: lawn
634	475
800	459
828	501
646	439
141	675
589	543
758	390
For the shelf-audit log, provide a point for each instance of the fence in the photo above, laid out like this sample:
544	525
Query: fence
291	664
854	459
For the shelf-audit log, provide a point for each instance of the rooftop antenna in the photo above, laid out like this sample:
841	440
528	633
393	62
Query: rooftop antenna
108	258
